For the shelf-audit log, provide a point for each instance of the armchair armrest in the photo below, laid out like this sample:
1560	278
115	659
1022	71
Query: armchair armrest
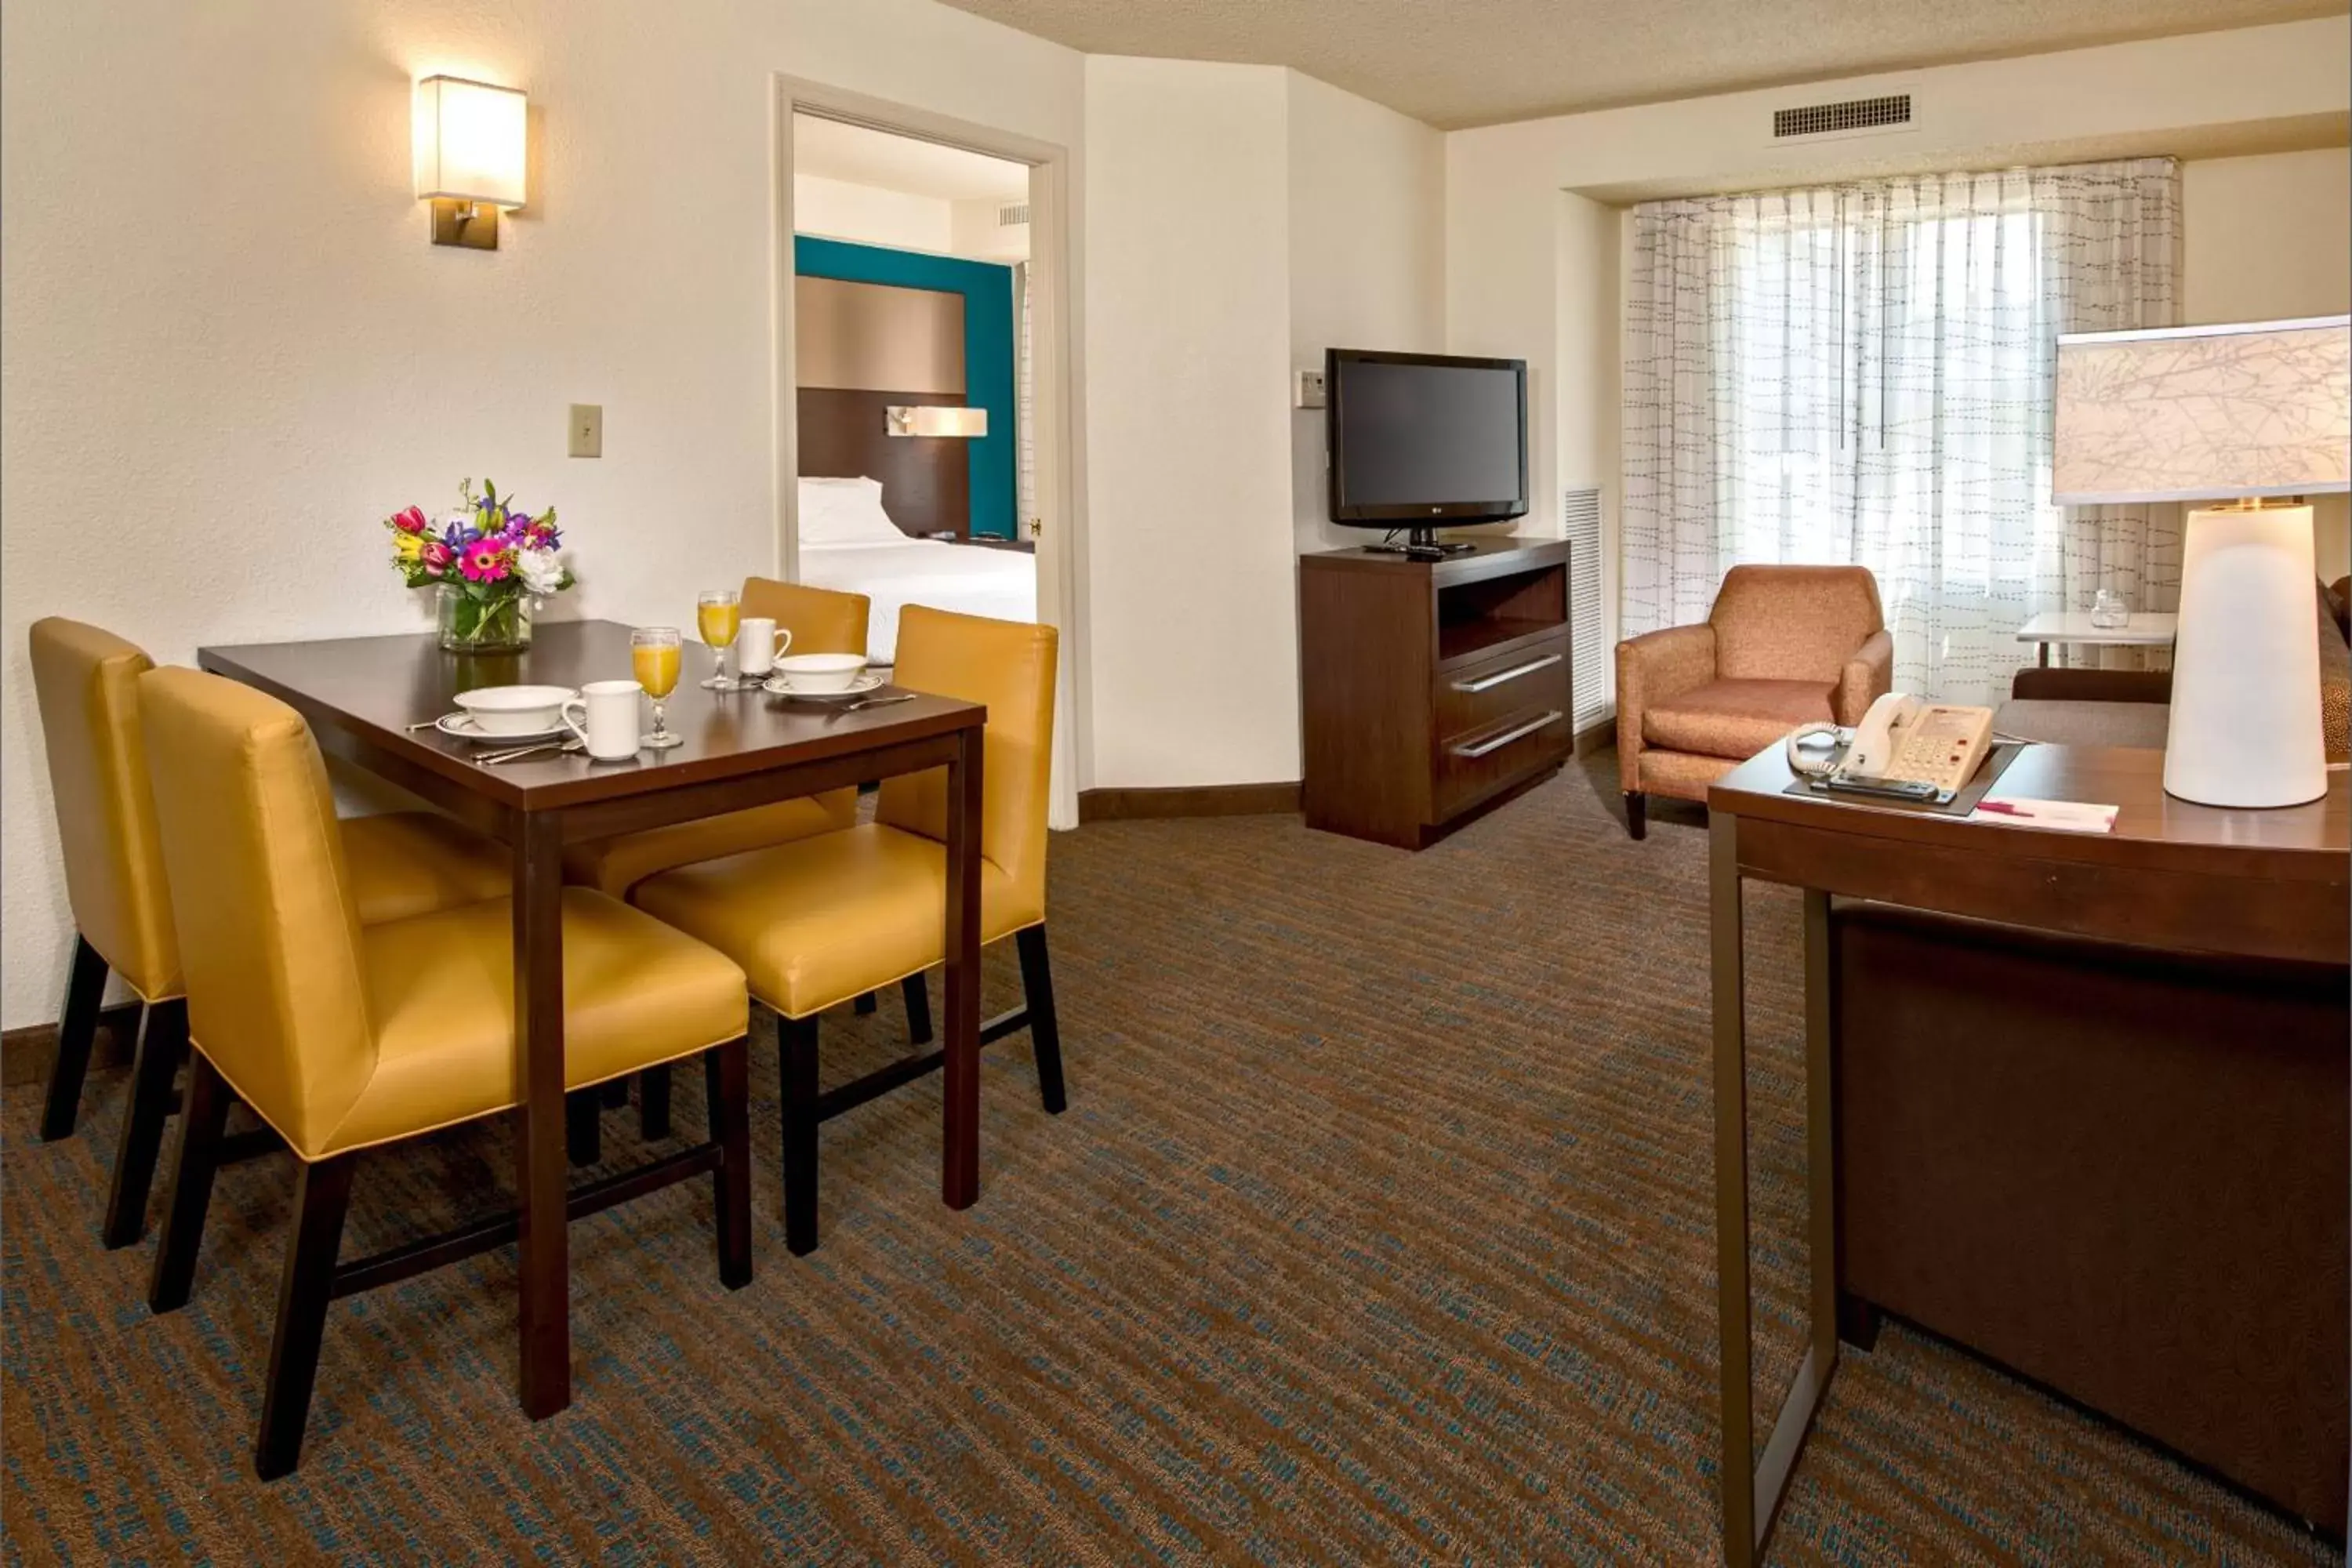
2037	684
1869	674
1652	668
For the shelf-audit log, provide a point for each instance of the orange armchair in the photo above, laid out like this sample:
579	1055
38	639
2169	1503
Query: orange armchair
1784	645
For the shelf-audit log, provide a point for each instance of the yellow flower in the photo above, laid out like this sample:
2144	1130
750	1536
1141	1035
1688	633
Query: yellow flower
407	546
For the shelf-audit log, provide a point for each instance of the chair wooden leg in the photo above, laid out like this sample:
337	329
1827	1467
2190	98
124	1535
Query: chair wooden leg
729	1081
321	1197
163	1037
866	1003
653	1103
1045	1027
583	1137
201	1121
918	1009
76	1029
1637	815
796	1062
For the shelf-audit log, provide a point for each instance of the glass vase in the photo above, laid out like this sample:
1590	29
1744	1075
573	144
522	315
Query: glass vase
469	624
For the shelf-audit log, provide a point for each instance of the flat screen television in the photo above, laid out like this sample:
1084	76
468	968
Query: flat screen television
1420	440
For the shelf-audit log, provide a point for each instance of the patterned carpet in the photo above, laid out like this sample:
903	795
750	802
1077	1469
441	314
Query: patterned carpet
1378	1230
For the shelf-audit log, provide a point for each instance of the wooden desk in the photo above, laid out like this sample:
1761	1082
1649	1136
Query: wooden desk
2260	884
741	750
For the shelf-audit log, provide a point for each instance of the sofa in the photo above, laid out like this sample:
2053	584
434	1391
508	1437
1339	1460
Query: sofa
1783	646
2131	707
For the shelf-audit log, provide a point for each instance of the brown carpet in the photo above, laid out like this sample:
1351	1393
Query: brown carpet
1378	1230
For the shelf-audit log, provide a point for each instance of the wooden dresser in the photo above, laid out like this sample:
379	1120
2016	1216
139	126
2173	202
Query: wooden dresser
1431	689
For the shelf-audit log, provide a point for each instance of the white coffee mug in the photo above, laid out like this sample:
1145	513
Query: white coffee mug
610	707
757	644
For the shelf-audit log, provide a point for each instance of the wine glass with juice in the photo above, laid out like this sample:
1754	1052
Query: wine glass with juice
654	655
718	613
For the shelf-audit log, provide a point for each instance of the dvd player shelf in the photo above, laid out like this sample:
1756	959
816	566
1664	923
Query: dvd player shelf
1430	690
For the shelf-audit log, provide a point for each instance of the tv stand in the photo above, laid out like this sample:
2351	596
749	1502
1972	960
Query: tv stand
1431	688
1421	544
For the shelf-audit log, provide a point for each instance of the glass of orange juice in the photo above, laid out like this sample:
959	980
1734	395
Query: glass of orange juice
716	614
654	654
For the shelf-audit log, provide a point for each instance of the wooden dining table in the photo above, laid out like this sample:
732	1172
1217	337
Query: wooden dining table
365	698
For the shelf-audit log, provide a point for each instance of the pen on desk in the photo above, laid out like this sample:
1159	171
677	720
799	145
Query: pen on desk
2003	808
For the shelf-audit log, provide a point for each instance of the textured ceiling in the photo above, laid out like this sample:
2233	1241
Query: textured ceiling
1480	62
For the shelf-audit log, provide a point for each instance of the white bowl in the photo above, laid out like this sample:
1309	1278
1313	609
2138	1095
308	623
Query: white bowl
822	671
516	710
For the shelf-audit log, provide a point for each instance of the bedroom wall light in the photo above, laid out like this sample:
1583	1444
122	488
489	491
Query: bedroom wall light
934	420
468	144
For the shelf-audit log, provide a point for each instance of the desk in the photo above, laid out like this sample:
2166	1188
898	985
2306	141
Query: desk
741	750
2258	884
2146	630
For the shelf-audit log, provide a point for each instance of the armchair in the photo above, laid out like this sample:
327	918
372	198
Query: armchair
1784	645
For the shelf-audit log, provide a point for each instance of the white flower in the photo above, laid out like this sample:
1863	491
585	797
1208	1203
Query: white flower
542	571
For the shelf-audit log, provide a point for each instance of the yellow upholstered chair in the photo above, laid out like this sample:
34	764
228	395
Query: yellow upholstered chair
822	621
829	919
343	1037
85	680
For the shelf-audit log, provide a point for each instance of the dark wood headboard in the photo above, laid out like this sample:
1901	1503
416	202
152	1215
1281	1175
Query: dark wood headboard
926	480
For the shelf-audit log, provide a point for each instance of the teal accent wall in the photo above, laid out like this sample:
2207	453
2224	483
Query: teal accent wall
988	311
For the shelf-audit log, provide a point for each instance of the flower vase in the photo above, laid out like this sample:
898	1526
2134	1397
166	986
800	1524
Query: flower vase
469	624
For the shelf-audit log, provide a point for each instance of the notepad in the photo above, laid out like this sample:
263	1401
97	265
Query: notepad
2067	815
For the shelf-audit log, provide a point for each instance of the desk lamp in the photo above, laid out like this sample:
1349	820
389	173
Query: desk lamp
2260	415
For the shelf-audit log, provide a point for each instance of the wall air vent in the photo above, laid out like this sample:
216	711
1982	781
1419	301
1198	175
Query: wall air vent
1853	116
1010	213
1587	663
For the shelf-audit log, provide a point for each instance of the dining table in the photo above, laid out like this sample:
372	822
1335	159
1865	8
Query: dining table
370	701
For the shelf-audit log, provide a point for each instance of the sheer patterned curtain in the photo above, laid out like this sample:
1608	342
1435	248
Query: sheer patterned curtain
1862	374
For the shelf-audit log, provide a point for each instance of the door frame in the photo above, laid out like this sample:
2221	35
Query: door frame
1059	536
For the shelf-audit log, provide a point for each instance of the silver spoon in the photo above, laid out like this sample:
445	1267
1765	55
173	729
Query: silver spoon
495	758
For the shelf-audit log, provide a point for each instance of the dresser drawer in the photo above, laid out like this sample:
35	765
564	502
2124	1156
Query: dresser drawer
1474	765
1473	697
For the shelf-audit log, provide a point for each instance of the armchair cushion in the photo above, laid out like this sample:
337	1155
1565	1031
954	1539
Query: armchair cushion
1793	622
1733	718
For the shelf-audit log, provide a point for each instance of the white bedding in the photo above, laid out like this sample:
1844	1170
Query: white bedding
970	579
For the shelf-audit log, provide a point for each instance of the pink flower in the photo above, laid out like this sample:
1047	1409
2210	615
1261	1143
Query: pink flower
485	560
409	521
436	557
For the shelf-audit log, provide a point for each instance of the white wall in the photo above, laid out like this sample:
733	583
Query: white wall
1530	277
1194	667
1367	260
228	349
867	214
2266	238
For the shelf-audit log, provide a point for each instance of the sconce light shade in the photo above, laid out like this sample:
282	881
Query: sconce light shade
469	140
938	420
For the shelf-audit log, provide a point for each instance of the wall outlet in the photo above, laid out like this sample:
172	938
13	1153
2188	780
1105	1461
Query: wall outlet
585	432
1310	389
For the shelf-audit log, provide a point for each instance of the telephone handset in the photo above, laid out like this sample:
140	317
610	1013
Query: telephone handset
1904	747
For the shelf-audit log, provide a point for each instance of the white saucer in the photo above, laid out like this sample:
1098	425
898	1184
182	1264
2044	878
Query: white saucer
461	725
865	685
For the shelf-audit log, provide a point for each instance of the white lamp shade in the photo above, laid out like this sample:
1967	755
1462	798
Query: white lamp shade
469	140
941	421
2263	408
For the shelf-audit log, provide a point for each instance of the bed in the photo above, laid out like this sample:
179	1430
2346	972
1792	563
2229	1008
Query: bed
848	541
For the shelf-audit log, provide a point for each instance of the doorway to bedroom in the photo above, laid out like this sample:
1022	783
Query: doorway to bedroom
914	376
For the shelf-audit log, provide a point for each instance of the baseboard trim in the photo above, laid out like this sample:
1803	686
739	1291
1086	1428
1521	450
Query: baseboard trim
1597	737
1188	800
27	1054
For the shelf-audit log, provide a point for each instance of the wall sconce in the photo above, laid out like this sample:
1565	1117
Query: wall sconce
937	421
468	140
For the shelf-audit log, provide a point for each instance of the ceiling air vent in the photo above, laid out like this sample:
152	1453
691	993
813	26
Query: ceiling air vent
1855	115
1010	213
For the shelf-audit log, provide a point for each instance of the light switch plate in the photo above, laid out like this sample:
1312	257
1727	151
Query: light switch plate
585	433
1310	389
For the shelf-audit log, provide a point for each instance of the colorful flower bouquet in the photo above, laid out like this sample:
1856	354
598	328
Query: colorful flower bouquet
488	564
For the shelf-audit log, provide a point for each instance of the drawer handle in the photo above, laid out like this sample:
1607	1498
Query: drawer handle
1488	682
1508	736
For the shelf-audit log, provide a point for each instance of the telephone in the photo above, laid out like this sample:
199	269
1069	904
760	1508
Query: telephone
1903	748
